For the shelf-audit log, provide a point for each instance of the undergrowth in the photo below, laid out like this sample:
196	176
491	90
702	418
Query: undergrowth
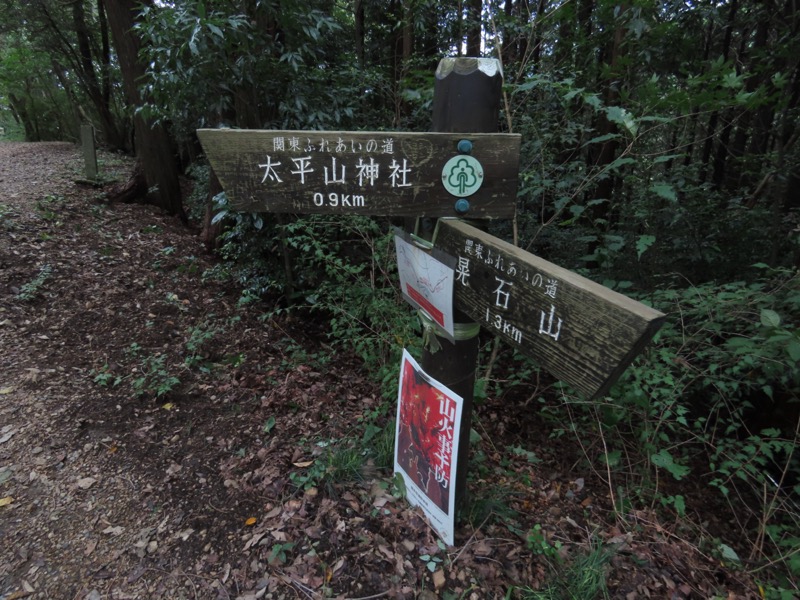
712	405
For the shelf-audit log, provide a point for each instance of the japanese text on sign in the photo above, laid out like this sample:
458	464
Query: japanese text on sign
346	162
507	275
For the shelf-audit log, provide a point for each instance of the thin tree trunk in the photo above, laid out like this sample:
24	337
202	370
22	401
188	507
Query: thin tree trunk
474	27
153	145
711	131
358	15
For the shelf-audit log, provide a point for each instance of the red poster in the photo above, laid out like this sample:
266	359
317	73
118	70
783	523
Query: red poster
426	447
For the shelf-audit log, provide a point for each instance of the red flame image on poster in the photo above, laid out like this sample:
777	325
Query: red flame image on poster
427	435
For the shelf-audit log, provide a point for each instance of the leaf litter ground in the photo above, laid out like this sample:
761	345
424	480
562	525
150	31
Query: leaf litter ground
157	440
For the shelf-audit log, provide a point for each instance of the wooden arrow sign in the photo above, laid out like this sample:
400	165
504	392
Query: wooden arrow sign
366	173
580	331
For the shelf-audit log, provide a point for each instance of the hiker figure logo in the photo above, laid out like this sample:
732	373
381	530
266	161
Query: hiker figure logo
426	448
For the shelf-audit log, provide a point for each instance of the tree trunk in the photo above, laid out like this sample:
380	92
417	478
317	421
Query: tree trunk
474	27
714	119
600	157
80	62
105	57
153	145
358	15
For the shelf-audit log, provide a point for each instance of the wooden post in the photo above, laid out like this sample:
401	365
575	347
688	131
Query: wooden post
89	152
466	99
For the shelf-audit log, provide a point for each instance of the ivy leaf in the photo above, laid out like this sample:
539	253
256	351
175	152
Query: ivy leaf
793	348
664	460
769	318
643	243
729	553
665	191
602	138
620	116
269	425
680	505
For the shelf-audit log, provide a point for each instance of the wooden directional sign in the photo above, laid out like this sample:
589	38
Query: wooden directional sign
582	332
366	173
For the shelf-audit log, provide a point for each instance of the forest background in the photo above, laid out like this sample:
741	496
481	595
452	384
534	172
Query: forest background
659	157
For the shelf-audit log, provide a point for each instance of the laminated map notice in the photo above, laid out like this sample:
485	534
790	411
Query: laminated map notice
427	281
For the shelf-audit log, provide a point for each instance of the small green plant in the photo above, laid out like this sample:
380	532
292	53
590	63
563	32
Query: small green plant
344	463
158	263
308	476
582	579
105	378
278	554
431	562
379	442
153	377
269	425
7	215
537	542
47	207
31	289
199	337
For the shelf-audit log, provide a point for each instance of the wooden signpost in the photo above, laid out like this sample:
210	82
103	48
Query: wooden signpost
89	151
365	173
581	332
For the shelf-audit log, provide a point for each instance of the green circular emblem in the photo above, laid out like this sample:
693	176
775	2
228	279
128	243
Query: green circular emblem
462	175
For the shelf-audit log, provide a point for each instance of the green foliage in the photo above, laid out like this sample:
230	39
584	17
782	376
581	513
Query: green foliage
351	270
278	555
342	269
197	345
152	377
433	561
538	542
33	105
105	378
7	215
348	459
715	398
584	578
33	288
214	60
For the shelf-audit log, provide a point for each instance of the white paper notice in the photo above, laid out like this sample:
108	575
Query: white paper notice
427	283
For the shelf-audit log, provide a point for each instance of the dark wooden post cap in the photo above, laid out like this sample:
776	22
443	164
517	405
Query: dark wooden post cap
467	95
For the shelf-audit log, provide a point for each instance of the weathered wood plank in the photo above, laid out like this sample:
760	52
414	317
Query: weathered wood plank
580	331
367	173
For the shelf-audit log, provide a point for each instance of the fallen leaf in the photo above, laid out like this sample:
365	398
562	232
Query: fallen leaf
304	464
438	579
273	513
6	501
251	521
7	436
6	390
86	482
113	530
168	406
